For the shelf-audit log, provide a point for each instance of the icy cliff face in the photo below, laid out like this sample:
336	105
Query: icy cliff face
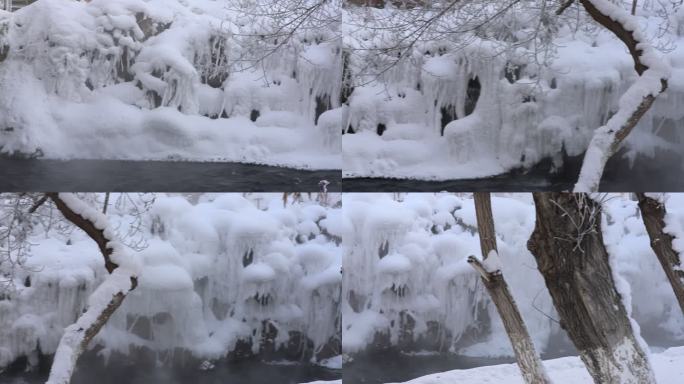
474	105
215	273
412	287
94	72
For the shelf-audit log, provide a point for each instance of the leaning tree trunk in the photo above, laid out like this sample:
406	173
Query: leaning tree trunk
490	269
653	213
568	245
106	298
637	100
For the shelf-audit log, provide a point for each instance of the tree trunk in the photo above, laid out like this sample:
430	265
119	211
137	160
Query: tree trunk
634	103
653	213
101	304
528	360
106	204
567	243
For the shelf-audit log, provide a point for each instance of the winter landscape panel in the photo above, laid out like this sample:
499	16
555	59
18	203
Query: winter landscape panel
228	288
539	93
416	304
254	82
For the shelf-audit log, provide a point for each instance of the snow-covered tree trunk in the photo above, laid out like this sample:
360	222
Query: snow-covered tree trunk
123	271
492	277
653	213
637	100
568	246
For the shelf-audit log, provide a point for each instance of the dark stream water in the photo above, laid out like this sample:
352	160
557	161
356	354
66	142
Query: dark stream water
19	175
665	173
243	372
394	366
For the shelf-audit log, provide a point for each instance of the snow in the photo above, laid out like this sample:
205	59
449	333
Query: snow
258	273
668	367
492	263
333	362
165	80
674	221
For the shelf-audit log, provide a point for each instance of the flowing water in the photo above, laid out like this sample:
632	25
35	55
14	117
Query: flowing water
18	175
91	370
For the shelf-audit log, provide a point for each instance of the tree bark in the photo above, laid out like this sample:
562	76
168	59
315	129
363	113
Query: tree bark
88	227
106	204
653	213
567	243
116	286
528	360
607	139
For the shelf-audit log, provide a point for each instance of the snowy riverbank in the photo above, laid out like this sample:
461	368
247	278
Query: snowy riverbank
159	80
668	366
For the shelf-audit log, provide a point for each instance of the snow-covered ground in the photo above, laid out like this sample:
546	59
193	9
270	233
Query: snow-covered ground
218	270
407	283
668	366
172	80
457	105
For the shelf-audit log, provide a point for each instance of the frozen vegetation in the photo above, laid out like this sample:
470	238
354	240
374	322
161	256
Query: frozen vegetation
495	86
412	288
219	275
172	80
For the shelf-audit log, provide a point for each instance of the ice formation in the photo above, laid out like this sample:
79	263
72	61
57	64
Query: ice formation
412	288
472	106
137	79
220	273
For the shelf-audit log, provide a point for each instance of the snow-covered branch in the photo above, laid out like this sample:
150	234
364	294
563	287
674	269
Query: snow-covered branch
123	277
637	100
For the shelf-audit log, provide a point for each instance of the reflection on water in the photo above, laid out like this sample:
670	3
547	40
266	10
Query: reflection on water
18	175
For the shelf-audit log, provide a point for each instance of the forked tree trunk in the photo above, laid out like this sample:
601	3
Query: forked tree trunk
101	304
568	245
653	213
528	360
637	100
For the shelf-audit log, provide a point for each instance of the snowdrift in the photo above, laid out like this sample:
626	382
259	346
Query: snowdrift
169	80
